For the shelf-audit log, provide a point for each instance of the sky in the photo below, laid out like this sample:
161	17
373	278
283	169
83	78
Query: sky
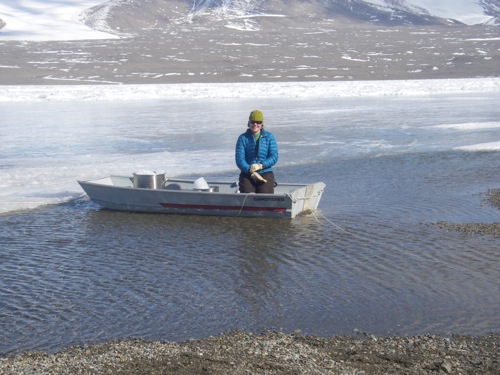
43	20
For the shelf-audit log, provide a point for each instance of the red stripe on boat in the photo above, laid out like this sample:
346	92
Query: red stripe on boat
226	208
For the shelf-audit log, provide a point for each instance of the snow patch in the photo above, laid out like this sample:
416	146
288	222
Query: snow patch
490	146
42	20
469	126
469	12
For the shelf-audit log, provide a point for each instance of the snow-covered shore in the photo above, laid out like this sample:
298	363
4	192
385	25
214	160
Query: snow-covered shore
243	90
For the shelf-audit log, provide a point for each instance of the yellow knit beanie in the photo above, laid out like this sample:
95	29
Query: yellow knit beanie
256	115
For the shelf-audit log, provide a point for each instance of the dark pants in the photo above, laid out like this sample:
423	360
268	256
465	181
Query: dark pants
248	185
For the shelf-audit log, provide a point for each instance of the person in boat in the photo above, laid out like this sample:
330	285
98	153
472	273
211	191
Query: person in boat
256	154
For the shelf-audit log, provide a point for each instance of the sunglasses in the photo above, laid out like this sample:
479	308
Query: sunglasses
256	122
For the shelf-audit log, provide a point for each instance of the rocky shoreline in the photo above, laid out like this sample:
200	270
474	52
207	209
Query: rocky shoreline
492	196
272	353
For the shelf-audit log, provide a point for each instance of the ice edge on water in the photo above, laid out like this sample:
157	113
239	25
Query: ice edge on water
243	90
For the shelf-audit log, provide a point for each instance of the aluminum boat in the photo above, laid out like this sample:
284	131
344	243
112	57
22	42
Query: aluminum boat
178	196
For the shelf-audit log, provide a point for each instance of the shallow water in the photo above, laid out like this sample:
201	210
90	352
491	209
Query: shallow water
368	260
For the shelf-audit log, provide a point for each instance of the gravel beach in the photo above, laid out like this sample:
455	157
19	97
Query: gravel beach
328	51
272	353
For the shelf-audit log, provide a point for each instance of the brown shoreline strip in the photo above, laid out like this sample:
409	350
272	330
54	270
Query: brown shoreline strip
272	353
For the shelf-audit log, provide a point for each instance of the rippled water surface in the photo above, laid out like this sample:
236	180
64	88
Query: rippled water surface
368	260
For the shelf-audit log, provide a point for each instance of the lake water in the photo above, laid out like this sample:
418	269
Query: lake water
369	260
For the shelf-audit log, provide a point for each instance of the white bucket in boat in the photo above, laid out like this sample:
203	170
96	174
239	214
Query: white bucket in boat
200	184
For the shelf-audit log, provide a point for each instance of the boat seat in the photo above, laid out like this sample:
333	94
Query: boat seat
173	187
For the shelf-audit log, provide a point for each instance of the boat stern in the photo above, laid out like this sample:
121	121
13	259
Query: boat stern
306	199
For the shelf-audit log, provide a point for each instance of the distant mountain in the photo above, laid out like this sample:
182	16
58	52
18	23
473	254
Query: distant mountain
121	16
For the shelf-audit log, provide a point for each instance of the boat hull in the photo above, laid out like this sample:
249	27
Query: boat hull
179	197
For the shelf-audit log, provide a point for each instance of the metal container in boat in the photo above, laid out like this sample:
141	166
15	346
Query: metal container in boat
149	180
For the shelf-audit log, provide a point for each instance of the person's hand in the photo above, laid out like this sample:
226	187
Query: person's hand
255	167
257	177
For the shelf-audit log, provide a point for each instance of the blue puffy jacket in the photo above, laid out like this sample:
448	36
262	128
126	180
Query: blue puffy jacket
246	155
